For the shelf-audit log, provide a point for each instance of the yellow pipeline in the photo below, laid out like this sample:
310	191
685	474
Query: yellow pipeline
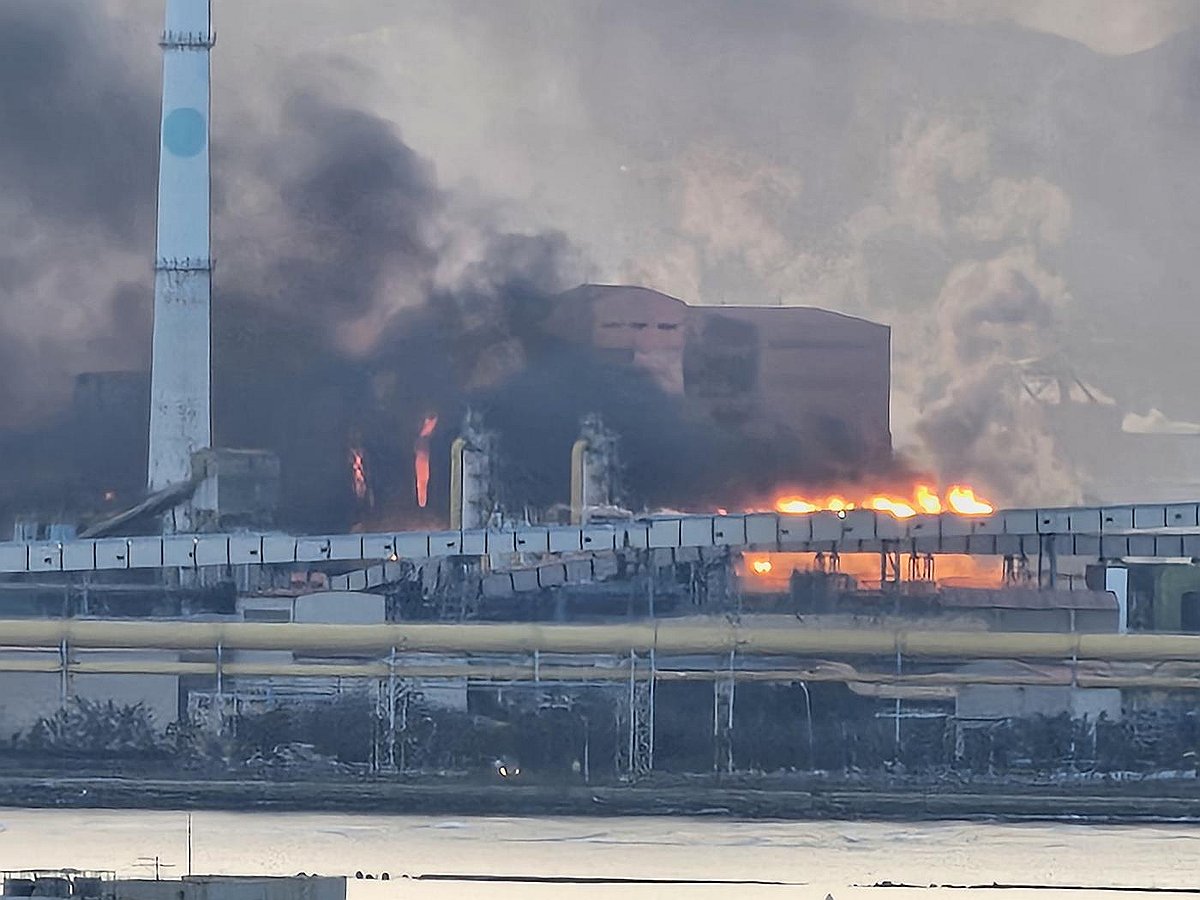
514	672
717	636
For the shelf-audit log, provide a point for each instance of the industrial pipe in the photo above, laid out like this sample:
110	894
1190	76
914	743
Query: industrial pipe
716	636
509	672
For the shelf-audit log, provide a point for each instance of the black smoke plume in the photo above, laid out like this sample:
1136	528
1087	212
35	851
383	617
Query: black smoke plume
353	297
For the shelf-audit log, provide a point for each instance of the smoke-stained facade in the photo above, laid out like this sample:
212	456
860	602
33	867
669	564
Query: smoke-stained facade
751	369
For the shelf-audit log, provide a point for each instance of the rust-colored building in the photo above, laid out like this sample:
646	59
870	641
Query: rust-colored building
759	369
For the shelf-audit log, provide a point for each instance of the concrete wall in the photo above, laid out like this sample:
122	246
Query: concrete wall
989	701
341	608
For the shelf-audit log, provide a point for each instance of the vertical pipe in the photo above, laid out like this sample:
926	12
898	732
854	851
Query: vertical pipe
808	716
729	722
587	752
899	666
653	678
391	735
632	711
64	662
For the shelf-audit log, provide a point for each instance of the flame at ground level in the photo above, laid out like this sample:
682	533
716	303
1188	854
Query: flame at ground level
960	499
771	572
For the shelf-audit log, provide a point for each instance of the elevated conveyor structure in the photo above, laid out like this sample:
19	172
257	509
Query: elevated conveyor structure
1163	531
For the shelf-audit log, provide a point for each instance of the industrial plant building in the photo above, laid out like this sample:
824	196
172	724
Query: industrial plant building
641	592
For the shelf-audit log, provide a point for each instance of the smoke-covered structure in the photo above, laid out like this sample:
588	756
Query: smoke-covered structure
358	301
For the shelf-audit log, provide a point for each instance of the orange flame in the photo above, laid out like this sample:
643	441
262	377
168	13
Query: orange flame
761	566
358	472
960	499
771	572
927	500
421	459
963	501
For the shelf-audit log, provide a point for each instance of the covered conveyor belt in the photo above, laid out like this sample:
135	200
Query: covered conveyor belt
1153	530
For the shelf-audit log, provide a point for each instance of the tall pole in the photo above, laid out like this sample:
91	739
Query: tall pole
180	375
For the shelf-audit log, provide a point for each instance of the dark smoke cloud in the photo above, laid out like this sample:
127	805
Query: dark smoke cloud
77	153
355	292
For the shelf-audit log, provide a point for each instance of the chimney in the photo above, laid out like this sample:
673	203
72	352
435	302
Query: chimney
180	391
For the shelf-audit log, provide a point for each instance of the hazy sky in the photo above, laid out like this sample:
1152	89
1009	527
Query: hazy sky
1011	185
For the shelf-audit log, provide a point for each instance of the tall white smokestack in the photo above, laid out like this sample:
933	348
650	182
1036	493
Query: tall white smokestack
180	392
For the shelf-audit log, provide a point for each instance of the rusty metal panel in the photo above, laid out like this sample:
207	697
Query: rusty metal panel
14	557
533	540
729	531
474	543
245	549
45	556
762	530
664	533
80	556
278	548
1150	516
212	551
1183	515
599	537
566	540
696	531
